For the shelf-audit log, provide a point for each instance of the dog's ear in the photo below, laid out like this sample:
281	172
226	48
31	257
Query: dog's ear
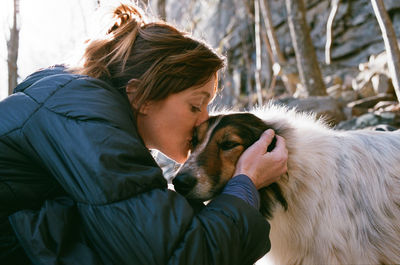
250	127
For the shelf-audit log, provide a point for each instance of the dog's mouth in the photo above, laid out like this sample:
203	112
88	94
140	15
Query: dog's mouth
194	188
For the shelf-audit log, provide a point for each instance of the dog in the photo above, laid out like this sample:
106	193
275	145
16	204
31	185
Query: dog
339	202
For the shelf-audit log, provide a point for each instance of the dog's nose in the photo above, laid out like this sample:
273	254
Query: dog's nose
183	183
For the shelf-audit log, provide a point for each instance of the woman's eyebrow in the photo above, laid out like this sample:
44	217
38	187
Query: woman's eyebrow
202	93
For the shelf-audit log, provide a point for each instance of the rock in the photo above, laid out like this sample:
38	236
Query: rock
384	121
346	125
395	107
378	63
335	91
347	83
228	25
356	111
362	106
323	106
347	113
362	83
370	101
391	4
382	84
385	105
333	80
355	40
389	116
349	95
383	127
363	87
366	120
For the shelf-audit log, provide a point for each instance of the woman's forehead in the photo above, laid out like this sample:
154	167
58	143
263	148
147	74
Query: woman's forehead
207	90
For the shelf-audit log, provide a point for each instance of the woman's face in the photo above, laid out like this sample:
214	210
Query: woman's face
167	125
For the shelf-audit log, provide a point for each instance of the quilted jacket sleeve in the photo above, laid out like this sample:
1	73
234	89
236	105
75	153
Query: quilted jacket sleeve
120	207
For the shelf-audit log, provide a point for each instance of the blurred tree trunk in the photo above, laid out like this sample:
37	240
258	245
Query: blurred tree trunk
391	44
161	9
262	35
269	75
12	49
257	32
329	26
247	62
307	63
279	61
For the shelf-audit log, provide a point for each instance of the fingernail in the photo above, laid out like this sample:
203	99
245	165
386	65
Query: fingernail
269	132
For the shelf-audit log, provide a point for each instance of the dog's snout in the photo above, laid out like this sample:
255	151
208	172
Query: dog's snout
184	183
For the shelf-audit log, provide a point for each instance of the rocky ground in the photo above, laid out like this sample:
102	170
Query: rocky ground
357	100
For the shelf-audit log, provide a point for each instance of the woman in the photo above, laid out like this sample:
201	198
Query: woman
78	184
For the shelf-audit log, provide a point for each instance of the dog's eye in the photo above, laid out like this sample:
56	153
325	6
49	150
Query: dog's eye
227	145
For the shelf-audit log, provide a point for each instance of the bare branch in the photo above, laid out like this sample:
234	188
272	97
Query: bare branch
12	48
257	32
306	58
161	9
329	25
277	56
391	44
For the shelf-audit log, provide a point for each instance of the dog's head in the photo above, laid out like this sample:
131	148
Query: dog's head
216	146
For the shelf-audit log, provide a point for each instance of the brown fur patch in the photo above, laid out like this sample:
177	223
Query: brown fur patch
221	154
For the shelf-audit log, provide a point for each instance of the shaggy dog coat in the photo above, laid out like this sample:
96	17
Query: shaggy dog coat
339	202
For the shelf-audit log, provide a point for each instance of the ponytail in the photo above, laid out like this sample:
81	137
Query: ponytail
148	60
115	46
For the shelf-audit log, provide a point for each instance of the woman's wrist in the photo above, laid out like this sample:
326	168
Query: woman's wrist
243	187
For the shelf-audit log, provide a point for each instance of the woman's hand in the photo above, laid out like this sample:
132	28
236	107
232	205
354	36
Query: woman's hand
262	167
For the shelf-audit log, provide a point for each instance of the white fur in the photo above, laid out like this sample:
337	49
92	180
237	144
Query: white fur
343	194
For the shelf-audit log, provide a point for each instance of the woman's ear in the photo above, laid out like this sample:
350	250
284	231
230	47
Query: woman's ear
131	86
130	89
145	108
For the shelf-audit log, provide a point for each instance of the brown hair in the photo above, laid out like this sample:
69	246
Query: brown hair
153	59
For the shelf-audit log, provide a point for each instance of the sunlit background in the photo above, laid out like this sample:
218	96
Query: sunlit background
49	31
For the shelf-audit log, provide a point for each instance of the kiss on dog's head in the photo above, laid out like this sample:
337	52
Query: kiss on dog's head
339	202
216	146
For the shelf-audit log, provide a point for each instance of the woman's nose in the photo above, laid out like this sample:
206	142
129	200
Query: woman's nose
202	118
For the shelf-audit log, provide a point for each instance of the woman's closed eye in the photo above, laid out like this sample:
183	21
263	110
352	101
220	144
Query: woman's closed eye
195	109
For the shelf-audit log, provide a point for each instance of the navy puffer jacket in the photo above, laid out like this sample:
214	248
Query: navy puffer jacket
80	187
